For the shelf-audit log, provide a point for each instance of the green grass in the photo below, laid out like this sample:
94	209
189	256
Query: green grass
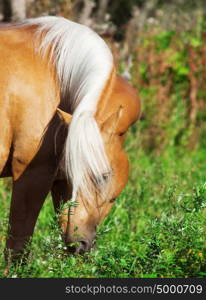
157	227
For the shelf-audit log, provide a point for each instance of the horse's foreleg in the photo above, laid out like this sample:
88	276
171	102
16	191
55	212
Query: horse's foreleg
30	190
61	193
28	196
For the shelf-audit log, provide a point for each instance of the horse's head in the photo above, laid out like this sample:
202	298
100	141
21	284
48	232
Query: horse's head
121	111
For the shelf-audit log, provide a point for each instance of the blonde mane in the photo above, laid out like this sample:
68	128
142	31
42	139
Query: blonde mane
84	65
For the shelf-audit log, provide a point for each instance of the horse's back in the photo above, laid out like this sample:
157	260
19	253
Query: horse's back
28	98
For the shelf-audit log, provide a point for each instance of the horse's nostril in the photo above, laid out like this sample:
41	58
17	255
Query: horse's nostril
84	244
83	247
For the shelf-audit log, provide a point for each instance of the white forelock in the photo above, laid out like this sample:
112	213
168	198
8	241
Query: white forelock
84	64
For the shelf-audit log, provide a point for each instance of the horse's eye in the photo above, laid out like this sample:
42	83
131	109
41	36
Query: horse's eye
106	176
103	178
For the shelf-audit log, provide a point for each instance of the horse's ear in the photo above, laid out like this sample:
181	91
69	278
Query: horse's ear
109	126
64	116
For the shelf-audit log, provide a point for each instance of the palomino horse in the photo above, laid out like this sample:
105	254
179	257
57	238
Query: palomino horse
63	116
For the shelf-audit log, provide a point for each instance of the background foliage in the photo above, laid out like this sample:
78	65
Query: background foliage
158	225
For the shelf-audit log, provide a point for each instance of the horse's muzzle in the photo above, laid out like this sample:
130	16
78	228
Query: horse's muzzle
81	247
